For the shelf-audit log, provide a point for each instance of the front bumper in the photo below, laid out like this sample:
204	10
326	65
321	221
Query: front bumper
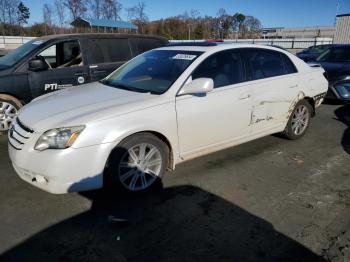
62	171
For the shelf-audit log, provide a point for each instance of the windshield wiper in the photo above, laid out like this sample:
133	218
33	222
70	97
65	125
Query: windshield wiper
127	87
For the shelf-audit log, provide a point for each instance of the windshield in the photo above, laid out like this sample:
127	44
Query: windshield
335	54
154	71
14	56
318	49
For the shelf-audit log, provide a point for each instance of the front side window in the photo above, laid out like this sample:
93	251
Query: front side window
335	54
225	68
63	54
265	63
154	71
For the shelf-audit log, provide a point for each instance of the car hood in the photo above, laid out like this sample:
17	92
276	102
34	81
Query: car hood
336	70
81	105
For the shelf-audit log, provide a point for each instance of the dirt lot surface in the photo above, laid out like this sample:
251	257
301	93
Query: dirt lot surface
267	200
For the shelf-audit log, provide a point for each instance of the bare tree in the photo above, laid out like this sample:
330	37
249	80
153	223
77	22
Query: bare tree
77	8
137	15
60	10
47	17
251	27
111	9
96	8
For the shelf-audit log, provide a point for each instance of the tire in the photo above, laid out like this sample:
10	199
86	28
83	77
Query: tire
9	107
299	121
139	171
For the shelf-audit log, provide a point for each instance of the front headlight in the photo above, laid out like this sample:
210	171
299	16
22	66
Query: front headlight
58	138
343	90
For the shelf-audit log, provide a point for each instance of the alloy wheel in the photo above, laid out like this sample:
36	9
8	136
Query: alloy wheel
140	167
300	119
7	113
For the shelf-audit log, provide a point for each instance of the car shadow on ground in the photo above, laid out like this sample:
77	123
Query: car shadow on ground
343	115
182	223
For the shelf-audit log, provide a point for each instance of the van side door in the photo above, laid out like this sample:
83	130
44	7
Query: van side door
106	55
66	68
140	45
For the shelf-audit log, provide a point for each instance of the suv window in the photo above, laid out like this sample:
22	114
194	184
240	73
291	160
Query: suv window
335	54
141	45
109	50
225	68
265	63
63	54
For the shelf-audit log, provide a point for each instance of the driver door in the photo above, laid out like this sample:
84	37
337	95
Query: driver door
66	69
221	117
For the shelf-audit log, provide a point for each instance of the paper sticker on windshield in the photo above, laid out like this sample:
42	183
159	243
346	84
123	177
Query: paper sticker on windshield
39	42
184	57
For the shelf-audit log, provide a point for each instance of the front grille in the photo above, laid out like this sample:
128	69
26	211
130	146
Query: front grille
19	134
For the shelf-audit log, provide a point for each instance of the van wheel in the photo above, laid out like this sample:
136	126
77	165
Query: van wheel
299	120
137	164
9	107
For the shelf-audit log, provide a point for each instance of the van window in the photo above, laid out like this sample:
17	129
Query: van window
225	68
109	50
63	54
141	45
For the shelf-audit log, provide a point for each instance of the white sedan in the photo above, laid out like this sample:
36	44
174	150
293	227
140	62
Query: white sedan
163	107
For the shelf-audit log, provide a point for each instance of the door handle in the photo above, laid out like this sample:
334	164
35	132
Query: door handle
244	96
80	74
99	71
293	86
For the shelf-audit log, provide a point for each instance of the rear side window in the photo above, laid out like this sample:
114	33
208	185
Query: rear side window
225	68
109	50
265	63
289	67
141	45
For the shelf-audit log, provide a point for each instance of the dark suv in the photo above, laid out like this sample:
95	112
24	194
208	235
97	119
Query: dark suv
56	62
336	63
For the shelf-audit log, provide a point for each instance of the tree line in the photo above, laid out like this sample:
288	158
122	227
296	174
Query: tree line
56	18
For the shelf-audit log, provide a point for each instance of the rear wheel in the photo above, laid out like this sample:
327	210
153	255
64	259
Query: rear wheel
137	164
9	107
299	120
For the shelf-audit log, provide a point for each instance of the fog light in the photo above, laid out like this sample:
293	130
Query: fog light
343	90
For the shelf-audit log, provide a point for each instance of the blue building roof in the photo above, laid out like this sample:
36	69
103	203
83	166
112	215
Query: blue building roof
102	23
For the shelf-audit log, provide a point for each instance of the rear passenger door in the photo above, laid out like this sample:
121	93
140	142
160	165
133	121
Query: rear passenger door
274	81
106	55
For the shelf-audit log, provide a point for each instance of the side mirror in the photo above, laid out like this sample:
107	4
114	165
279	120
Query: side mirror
198	86
37	64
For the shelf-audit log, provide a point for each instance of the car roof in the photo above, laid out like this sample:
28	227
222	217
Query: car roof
98	35
219	47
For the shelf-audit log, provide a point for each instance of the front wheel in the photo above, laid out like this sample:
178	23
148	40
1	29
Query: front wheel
137	164
299	120
9	107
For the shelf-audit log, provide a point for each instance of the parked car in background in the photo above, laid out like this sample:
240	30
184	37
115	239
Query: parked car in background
312	52
3	52
336	62
56	62
163	107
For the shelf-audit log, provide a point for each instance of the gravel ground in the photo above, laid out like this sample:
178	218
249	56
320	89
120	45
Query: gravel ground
267	200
